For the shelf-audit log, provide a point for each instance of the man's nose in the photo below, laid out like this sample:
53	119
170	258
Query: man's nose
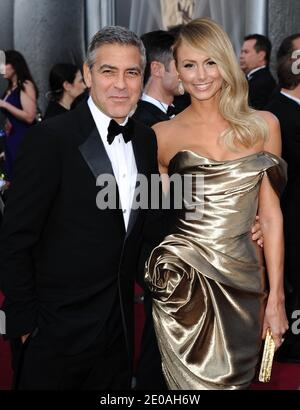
120	81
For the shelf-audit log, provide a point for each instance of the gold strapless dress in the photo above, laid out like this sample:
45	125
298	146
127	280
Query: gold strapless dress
207	278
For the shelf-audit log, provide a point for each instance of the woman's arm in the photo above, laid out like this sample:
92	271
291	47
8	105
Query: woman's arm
28	102
272	227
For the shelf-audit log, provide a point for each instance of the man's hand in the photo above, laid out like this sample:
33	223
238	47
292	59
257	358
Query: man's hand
24	337
257	233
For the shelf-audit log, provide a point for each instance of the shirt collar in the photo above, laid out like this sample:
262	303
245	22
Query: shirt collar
99	115
291	97
255	70
102	120
159	104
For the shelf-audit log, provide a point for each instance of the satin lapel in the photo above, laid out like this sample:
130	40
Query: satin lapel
94	154
142	162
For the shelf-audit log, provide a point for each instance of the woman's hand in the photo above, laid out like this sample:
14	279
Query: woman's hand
24	338
275	319
256	232
3	104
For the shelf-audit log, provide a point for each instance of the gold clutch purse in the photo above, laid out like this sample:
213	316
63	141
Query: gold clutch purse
267	358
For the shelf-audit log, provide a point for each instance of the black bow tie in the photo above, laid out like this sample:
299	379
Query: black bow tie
115	129
171	110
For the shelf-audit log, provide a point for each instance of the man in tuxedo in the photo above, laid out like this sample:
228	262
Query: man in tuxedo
67	266
254	61
285	104
288	45
160	80
155	105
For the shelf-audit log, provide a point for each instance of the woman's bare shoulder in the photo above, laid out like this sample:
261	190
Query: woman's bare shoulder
167	129
170	135
273	143
269	117
162	127
163	131
29	88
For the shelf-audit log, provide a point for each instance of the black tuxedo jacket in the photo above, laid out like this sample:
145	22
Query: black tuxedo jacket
288	113
261	87
157	221
148	114
65	265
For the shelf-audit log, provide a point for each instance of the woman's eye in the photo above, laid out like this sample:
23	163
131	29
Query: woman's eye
188	65
211	62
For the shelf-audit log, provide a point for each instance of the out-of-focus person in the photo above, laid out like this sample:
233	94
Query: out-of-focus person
285	104
66	83
288	45
254	61
160	79
18	104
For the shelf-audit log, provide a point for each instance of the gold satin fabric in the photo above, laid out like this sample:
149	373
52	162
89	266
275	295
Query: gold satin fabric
207	278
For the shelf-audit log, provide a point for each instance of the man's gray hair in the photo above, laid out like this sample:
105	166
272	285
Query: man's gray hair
114	35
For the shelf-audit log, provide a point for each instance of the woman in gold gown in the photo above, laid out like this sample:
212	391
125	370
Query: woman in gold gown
210	304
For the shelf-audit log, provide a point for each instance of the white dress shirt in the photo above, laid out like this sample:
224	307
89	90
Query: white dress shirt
159	104
291	97
249	75
121	157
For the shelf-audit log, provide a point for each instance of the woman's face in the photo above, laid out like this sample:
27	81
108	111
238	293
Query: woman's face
9	72
78	85
199	73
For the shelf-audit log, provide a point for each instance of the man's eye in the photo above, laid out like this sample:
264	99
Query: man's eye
133	73
105	71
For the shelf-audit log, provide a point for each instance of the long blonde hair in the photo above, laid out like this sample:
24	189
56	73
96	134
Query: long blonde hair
246	127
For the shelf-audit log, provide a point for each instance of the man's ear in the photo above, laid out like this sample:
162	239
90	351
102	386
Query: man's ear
156	69
87	75
262	56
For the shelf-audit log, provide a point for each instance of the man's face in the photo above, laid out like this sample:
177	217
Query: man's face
115	79
296	44
249	58
170	79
